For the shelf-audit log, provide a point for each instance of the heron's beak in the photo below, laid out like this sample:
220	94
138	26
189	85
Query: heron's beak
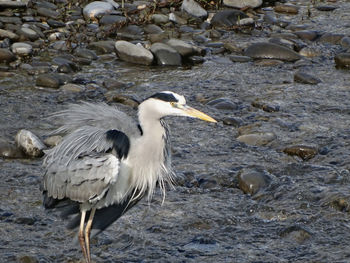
197	114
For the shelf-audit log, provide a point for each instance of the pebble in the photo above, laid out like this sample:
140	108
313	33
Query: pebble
48	13
304	152
309	52
6	55
13	4
232	121
243	3
28	33
166	55
103	47
290	9
8	34
257	139
85	53
50	80
113	20
133	53
194	9
306	78
160	19
185	49
227	18
21	49
310	35
97	9
296	233
271	51
30	143
70	87
153	29
342	60
326	7
331	38
251	180
345	42
114	96
241	59
265	106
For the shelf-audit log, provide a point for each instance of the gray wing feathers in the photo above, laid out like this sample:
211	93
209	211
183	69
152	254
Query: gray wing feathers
85	179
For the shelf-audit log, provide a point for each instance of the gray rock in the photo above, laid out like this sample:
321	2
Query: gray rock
296	234
251	180
51	80
6	55
28	33
85	53
160	19
223	104
185	49
227	18
21	49
70	87
30	143
257	139
302	151
271	51
10	20
177	19
131	32
307	34
166	55
153	29
243	3
331	38
103	47
133	53
48	13
97	9
55	23
13	4
342	60
194	9
306	78
113	20
8	34
241	59
345	42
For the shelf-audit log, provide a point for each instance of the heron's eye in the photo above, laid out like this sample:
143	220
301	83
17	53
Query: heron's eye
173	104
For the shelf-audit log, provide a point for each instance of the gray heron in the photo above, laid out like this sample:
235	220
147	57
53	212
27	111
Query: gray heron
107	162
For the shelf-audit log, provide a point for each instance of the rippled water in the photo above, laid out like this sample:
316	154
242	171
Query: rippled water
302	216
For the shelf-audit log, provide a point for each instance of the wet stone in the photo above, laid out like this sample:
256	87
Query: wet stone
331	38
13	4
50	80
345	42
326	7
97	9
271	51
265	106
177	19
251	180
290	9
153	29
55	23
70	87
306	78
85	53
10	20
183	48
227	18
304	152
113	84
113	96
195	60
232	121
241	59
307	34
194	9
28	33
257	139
27	259
206	181
342	60
30	143
25	220
243	3
112	20
6	55
21	49
133	53
103	47
131	32
160	19
166	55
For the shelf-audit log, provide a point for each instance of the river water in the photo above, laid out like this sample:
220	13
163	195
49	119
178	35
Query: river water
302	215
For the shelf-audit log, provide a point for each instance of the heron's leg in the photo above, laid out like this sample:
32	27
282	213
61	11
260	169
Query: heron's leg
87	233
81	235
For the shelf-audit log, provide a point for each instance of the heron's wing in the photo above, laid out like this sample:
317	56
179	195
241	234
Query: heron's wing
85	179
99	115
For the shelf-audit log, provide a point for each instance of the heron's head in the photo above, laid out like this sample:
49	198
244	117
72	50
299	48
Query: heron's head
168	103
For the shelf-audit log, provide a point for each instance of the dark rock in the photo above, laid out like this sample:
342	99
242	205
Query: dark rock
265	107
13	4
6	55
113	20
112	84
27	259
227	18
153	29
10	20
85	53
232	121
342	60
307	34
8	34
251	180
195	60
326	7
345	42
131	32
64	65
271	51
10	151
242	59
55	23
206	181
28	33
183	47
25	220
114	96
166	55
304	152
223	104
306	78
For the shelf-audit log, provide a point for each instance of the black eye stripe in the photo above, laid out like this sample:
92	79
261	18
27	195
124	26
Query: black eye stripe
168	97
